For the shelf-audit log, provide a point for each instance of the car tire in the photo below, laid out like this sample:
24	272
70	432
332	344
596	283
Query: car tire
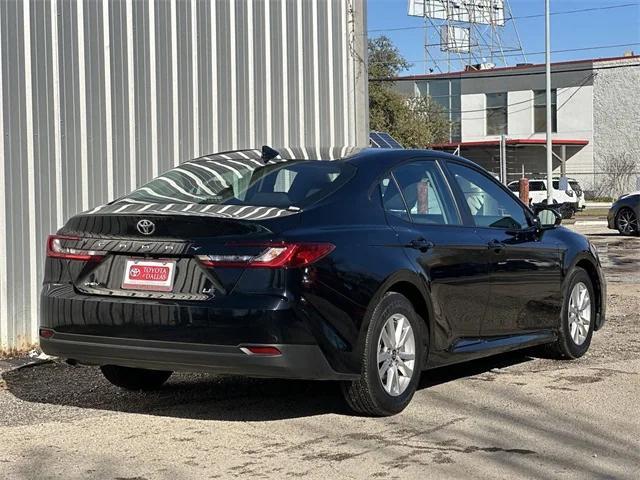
625	219
135	378
371	394
574	337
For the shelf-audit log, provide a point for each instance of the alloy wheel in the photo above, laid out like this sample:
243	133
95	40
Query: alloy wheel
579	313
396	354
627	222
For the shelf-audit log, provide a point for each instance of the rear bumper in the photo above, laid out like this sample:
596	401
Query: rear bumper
296	361
197	336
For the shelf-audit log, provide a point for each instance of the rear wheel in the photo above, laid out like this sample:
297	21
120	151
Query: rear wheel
578	318
627	222
135	378
392	359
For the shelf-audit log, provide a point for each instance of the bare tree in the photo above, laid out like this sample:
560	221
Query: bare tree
616	174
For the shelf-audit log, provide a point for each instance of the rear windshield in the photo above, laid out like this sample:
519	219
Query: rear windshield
223	182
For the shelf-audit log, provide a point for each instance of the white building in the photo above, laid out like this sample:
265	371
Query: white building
596	115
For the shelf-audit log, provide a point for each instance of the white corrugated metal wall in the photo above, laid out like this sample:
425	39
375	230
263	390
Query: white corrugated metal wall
99	96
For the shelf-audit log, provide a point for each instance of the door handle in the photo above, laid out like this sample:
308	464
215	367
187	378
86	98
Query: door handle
496	245
421	244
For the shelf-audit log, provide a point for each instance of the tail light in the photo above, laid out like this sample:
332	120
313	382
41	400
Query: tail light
280	255
46	333
56	249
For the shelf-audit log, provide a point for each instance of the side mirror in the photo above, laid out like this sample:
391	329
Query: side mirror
548	218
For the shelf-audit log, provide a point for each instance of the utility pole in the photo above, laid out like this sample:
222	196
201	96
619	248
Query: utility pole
547	28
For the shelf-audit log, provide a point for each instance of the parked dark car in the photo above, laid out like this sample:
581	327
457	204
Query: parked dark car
366	270
624	214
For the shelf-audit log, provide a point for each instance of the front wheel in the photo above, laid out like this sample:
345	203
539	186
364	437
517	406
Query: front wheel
392	359
577	319
627	222
135	378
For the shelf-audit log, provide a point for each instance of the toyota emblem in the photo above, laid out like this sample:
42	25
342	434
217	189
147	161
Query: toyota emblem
146	227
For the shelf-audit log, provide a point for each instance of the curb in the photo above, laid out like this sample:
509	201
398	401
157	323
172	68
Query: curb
591	222
11	365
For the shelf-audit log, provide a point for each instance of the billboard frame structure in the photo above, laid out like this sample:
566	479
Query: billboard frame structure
485	21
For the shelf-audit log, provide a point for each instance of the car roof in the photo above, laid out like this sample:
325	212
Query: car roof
394	155
354	155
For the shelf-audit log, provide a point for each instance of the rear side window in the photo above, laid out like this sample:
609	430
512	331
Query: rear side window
536	187
281	184
426	194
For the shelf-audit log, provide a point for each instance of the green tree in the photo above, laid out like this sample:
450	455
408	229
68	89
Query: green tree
414	121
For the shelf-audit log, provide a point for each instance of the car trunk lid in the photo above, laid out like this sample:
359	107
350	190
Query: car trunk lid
153	252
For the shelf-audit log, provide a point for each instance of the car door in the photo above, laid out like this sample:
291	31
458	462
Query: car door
525	266
451	256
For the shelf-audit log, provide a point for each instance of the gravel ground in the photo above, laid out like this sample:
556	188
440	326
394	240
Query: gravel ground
509	416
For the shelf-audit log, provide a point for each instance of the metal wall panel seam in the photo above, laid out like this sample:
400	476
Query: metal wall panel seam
194	79
174	84
345	69
107	97
131	97
153	87
82	104
267	62
214	77
351	72
361	110
285	75
330	70
4	296
316	76
250	74
57	121
31	180
301	136
232	68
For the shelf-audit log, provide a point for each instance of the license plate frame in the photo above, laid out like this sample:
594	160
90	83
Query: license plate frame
164	272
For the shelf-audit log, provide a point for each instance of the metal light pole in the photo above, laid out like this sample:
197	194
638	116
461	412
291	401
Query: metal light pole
547	31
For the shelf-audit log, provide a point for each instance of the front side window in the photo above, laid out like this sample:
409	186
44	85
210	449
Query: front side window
497	114
426	193
540	111
281	184
489	205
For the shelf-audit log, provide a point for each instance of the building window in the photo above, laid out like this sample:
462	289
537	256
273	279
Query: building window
446	93
540	111
497	116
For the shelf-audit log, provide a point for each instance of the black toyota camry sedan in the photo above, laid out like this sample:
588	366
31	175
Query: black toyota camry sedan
367	270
